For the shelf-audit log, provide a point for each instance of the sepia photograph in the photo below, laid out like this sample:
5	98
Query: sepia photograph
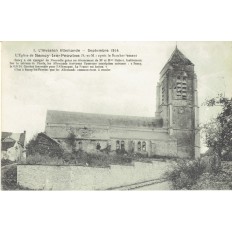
116	116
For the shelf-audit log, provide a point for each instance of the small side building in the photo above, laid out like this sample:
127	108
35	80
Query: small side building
13	146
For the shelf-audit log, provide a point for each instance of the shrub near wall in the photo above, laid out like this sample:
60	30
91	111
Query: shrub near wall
187	173
9	178
98	159
43	159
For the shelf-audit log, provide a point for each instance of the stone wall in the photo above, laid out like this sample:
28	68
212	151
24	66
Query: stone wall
40	177
164	148
131	137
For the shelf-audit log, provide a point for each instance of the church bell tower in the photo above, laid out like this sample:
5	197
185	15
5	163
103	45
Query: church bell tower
177	104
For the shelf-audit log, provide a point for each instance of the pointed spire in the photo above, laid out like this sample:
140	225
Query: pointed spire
178	57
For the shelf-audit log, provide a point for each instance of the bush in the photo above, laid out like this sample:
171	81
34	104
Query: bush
220	181
81	157
227	157
102	159
185	173
9	178
51	149
166	157
212	162
43	159
143	154
5	162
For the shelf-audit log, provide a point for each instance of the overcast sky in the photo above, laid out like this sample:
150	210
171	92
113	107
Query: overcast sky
126	90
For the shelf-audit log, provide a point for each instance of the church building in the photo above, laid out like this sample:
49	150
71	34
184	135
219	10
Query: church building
173	131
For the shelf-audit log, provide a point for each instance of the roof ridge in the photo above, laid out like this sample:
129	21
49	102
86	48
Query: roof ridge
67	117
97	114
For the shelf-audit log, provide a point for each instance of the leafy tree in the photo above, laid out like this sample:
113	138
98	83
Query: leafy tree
218	132
33	148
71	139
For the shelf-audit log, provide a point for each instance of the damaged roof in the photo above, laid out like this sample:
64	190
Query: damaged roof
178	57
18	137
64	117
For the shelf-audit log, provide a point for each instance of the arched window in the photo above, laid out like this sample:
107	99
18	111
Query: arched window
139	146
133	146
122	145
144	146
117	145
109	146
80	145
98	147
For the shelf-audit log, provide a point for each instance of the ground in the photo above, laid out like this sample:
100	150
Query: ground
157	186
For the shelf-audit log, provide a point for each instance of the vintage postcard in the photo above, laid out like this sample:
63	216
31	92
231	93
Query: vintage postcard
116	115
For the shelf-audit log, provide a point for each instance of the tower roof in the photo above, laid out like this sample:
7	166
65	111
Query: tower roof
178	57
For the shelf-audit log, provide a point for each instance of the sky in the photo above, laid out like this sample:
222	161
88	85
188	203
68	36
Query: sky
126	90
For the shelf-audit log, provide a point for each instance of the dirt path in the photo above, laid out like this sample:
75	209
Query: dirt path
156	184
